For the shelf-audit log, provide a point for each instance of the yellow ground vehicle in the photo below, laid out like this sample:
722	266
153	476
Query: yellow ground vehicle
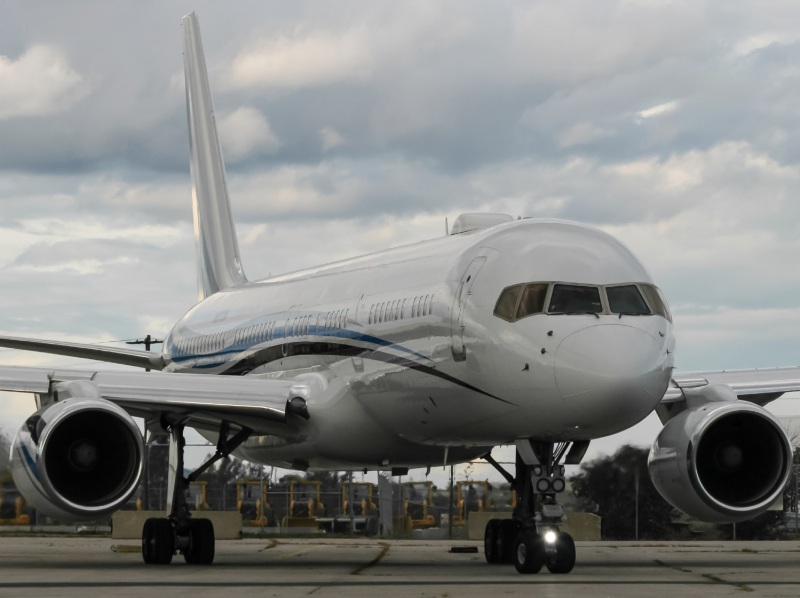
471	497
12	505
363	503
418	504
364	516
305	505
251	502
197	496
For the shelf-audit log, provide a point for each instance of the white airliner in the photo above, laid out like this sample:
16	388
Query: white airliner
544	334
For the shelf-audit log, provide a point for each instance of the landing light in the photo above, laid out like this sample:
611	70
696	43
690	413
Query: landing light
550	536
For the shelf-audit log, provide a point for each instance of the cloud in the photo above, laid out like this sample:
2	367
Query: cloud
570	42
754	43
245	131
39	82
304	60
659	110
581	134
330	138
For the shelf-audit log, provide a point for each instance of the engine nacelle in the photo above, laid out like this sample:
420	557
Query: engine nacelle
721	461
78	459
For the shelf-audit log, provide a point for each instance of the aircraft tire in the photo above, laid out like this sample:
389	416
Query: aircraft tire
564	558
490	541
507	531
158	541
201	542
528	554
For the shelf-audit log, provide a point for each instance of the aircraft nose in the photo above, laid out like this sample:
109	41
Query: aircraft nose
612	369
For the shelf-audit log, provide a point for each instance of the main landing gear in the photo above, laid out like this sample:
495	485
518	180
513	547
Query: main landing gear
178	532
532	539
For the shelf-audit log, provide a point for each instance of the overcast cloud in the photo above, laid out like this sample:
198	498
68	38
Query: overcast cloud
352	126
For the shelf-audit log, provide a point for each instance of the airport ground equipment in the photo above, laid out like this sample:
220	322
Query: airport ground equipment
362	498
251	502
418	504
358	514
305	504
471	497
198	496
12	505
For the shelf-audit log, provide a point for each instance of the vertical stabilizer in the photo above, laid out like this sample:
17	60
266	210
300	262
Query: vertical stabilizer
219	265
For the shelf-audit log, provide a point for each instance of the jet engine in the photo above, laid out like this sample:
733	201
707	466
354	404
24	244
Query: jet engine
79	458
722	459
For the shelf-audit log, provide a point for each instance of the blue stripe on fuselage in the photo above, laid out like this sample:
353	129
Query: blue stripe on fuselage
336	334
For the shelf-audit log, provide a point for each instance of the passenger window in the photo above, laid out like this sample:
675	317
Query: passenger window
626	300
574	299
507	303
532	301
656	301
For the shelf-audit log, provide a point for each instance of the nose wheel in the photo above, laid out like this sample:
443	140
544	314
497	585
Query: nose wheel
561	558
529	553
532	538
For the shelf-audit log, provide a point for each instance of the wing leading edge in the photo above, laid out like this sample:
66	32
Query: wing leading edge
131	357
198	401
759	386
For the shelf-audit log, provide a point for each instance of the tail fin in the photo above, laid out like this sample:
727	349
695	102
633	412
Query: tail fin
219	265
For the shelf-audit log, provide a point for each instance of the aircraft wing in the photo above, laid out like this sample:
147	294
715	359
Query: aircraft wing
132	357
760	386
199	401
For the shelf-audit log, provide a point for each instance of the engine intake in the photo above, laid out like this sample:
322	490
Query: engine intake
78	459
722	461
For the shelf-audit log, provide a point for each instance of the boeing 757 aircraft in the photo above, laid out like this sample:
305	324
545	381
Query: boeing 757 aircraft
543	334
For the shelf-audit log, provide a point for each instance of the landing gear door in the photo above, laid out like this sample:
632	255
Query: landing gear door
459	308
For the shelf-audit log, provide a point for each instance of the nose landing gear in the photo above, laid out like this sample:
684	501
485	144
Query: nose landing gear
532	539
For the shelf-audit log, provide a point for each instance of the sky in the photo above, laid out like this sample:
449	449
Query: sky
355	126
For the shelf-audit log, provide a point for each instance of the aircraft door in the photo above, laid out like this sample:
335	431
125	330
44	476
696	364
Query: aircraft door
458	326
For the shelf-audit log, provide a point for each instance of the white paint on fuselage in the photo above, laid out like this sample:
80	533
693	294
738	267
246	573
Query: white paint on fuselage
393	392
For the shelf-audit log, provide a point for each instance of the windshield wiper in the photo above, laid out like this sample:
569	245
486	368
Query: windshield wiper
574	313
631	313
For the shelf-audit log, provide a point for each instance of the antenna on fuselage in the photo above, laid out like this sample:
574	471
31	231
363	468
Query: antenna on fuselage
219	265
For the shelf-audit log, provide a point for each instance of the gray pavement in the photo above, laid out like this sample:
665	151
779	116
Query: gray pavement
81	566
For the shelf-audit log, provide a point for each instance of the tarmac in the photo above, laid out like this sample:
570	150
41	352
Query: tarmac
89	566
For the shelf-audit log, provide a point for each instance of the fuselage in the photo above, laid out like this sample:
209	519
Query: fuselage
437	350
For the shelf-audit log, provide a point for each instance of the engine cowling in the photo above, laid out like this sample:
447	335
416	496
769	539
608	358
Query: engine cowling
721	461
78	459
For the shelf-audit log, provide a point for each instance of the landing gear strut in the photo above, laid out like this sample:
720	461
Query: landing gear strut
532	539
162	537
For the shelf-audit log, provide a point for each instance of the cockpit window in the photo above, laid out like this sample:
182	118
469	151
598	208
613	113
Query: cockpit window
532	301
574	299
656	301
507	303
635	299
626	300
